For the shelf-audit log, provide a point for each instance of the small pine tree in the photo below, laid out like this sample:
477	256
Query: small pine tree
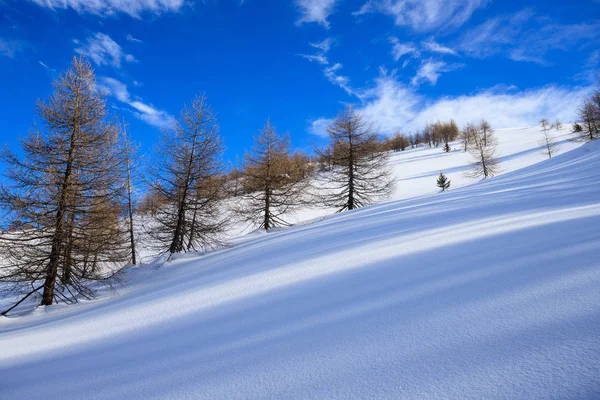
447	148
577	128
443	182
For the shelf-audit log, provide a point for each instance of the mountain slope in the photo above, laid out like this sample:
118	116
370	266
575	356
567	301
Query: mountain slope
487	291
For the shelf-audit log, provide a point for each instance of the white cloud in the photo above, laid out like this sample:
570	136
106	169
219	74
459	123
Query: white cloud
133	8
331	73
525	37
132	39
324	46
392	105
102	50
400	49
319	126
321	55
432	70
330	70
434	47
425	15
318	58
315	11
139	109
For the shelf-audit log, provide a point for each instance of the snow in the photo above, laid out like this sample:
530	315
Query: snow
487	291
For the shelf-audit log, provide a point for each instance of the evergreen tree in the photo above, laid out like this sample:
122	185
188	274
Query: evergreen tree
443	182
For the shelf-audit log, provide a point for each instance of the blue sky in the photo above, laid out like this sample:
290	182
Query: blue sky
402	63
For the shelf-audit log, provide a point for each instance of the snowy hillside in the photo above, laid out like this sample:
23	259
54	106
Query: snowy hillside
416	170
487	291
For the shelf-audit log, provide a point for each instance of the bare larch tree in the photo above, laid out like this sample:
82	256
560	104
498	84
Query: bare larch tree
547	141
466	134
360	175
275	184
188	160
589	114
64	195
482	147
129	151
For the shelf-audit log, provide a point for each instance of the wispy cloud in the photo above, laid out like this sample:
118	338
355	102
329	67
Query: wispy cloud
430	71
315	11
318	58
425	15
319	126
412	50
525	37
432	46
590	68
133	8
10	48
324	46
132	39
102	50
400	49
330	70
138	108
393	105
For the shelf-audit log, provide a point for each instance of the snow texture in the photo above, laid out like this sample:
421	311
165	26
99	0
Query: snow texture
488	291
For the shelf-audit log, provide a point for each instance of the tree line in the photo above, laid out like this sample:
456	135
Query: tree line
68	200
69	203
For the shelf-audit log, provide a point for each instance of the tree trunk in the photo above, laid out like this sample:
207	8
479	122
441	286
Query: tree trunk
267	221
192	227
130	204
57	239
178	236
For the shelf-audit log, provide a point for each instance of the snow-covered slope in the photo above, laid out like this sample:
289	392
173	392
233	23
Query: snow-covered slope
416	170
487	291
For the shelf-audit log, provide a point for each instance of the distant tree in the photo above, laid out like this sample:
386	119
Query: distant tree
184	178
468	131
63	196
483	149
234	182
545	124
577	128
445	132
557	125
443	182
398	142
486	130
361	175
548	142
428	135
418	139
151	203
590	122
275	183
